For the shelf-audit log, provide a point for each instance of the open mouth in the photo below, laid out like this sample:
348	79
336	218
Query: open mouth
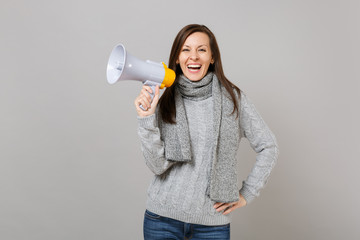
194	67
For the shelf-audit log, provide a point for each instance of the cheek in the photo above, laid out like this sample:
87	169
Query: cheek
182	61
181	56
208	62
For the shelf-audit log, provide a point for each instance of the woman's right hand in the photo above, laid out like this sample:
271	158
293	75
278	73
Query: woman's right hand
144	99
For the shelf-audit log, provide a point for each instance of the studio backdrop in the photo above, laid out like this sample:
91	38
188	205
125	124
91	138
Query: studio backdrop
70	160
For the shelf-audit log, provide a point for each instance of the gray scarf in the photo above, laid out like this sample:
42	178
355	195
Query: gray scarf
176	137
198	90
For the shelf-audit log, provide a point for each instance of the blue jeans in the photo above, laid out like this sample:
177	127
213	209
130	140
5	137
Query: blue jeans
160	228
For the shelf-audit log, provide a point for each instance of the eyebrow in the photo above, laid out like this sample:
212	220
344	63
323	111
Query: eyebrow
202	45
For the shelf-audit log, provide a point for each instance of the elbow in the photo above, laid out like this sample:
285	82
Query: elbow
273	146
158	172
159	169
270	150
274	149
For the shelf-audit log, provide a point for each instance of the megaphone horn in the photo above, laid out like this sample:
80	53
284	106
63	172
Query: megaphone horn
124	66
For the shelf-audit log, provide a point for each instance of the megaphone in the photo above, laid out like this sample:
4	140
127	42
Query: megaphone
124	66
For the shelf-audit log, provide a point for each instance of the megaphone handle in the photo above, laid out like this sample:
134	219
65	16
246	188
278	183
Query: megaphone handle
152	94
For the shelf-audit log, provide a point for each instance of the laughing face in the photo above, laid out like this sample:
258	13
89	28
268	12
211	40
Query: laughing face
195	56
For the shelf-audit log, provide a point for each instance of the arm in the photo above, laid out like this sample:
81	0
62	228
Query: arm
151	144
263	142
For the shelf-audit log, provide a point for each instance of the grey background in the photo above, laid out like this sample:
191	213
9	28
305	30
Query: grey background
71	166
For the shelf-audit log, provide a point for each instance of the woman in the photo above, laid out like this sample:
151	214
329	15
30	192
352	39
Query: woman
190	139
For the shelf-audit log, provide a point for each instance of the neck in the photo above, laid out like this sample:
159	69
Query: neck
196	90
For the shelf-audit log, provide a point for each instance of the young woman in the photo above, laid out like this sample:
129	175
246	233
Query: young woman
190	139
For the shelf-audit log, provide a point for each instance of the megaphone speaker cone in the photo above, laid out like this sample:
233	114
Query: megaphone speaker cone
116	64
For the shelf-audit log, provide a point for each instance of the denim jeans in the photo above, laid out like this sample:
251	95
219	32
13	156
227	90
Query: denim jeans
160	228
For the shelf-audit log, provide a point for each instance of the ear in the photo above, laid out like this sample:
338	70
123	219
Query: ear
177	61
212	61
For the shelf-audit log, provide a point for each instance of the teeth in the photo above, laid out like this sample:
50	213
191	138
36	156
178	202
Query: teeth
194	66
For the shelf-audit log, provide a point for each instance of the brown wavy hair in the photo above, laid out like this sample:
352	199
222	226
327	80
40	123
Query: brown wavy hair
167	101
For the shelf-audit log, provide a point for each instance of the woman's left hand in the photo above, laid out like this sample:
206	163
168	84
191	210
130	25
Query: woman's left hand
229	207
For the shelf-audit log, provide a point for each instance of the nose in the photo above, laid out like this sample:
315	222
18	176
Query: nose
194	55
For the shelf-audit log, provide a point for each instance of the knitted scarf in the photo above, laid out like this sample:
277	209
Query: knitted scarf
198	90
176	137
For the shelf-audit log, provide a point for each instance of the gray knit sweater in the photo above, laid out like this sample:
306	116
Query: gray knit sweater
180	190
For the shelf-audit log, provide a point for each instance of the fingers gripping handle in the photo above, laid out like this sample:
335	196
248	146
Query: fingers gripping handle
152	94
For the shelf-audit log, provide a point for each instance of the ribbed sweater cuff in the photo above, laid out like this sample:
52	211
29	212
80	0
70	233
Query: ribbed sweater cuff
148	122
249	197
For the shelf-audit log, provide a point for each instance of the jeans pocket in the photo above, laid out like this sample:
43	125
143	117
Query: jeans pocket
151	215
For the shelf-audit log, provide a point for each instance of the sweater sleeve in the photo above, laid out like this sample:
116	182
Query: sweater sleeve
263	142
151	145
